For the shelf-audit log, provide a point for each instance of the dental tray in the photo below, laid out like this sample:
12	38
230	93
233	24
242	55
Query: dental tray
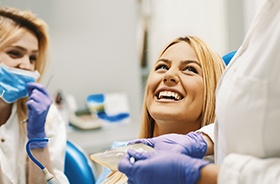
111	158
83	119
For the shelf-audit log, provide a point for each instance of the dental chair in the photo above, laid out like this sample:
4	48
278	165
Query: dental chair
227	57
78	167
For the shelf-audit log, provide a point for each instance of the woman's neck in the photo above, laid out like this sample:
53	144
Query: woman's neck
5	111
175	127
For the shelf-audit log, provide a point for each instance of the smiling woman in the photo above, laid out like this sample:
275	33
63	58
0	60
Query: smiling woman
175	91
180	87
180	92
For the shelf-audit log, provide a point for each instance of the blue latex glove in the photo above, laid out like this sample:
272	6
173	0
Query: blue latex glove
38	106
161	167
192	144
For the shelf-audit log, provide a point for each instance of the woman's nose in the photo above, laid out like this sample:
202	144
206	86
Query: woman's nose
170	78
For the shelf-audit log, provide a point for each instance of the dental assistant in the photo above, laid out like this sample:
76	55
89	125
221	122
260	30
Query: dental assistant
247	124
26	110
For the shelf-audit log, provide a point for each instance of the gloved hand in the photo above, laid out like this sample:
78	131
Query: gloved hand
192	144
38	106
161	167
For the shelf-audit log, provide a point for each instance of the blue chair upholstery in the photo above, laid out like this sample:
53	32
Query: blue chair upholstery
227	57
77	166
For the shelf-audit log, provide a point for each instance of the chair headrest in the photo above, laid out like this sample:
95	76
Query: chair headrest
228	57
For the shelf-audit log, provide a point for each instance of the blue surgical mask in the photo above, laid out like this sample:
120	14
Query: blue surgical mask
13	82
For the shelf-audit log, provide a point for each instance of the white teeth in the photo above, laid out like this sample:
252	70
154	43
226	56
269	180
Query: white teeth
169	94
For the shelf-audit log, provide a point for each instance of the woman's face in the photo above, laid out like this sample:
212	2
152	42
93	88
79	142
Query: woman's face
21	53
175	86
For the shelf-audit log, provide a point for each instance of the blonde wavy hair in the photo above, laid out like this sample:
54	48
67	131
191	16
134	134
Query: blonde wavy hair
13	23
212	66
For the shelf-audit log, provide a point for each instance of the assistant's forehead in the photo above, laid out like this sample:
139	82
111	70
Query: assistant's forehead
24	39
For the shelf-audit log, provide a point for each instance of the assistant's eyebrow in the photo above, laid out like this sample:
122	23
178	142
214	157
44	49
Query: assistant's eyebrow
17	47
22	49
190	61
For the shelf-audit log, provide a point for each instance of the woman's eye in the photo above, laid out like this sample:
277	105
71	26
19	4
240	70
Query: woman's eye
191	69
162	67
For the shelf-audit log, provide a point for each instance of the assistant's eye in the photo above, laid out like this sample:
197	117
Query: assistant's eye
14	54
33	59
161	67
191	69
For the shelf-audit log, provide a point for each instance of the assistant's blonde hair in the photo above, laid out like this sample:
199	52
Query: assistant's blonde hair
13	23
212	66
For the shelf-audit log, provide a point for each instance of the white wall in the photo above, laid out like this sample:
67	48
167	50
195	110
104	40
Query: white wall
172	18
95	47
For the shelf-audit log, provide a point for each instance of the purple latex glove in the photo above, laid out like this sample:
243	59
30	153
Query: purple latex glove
192	144
161	167
38	106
